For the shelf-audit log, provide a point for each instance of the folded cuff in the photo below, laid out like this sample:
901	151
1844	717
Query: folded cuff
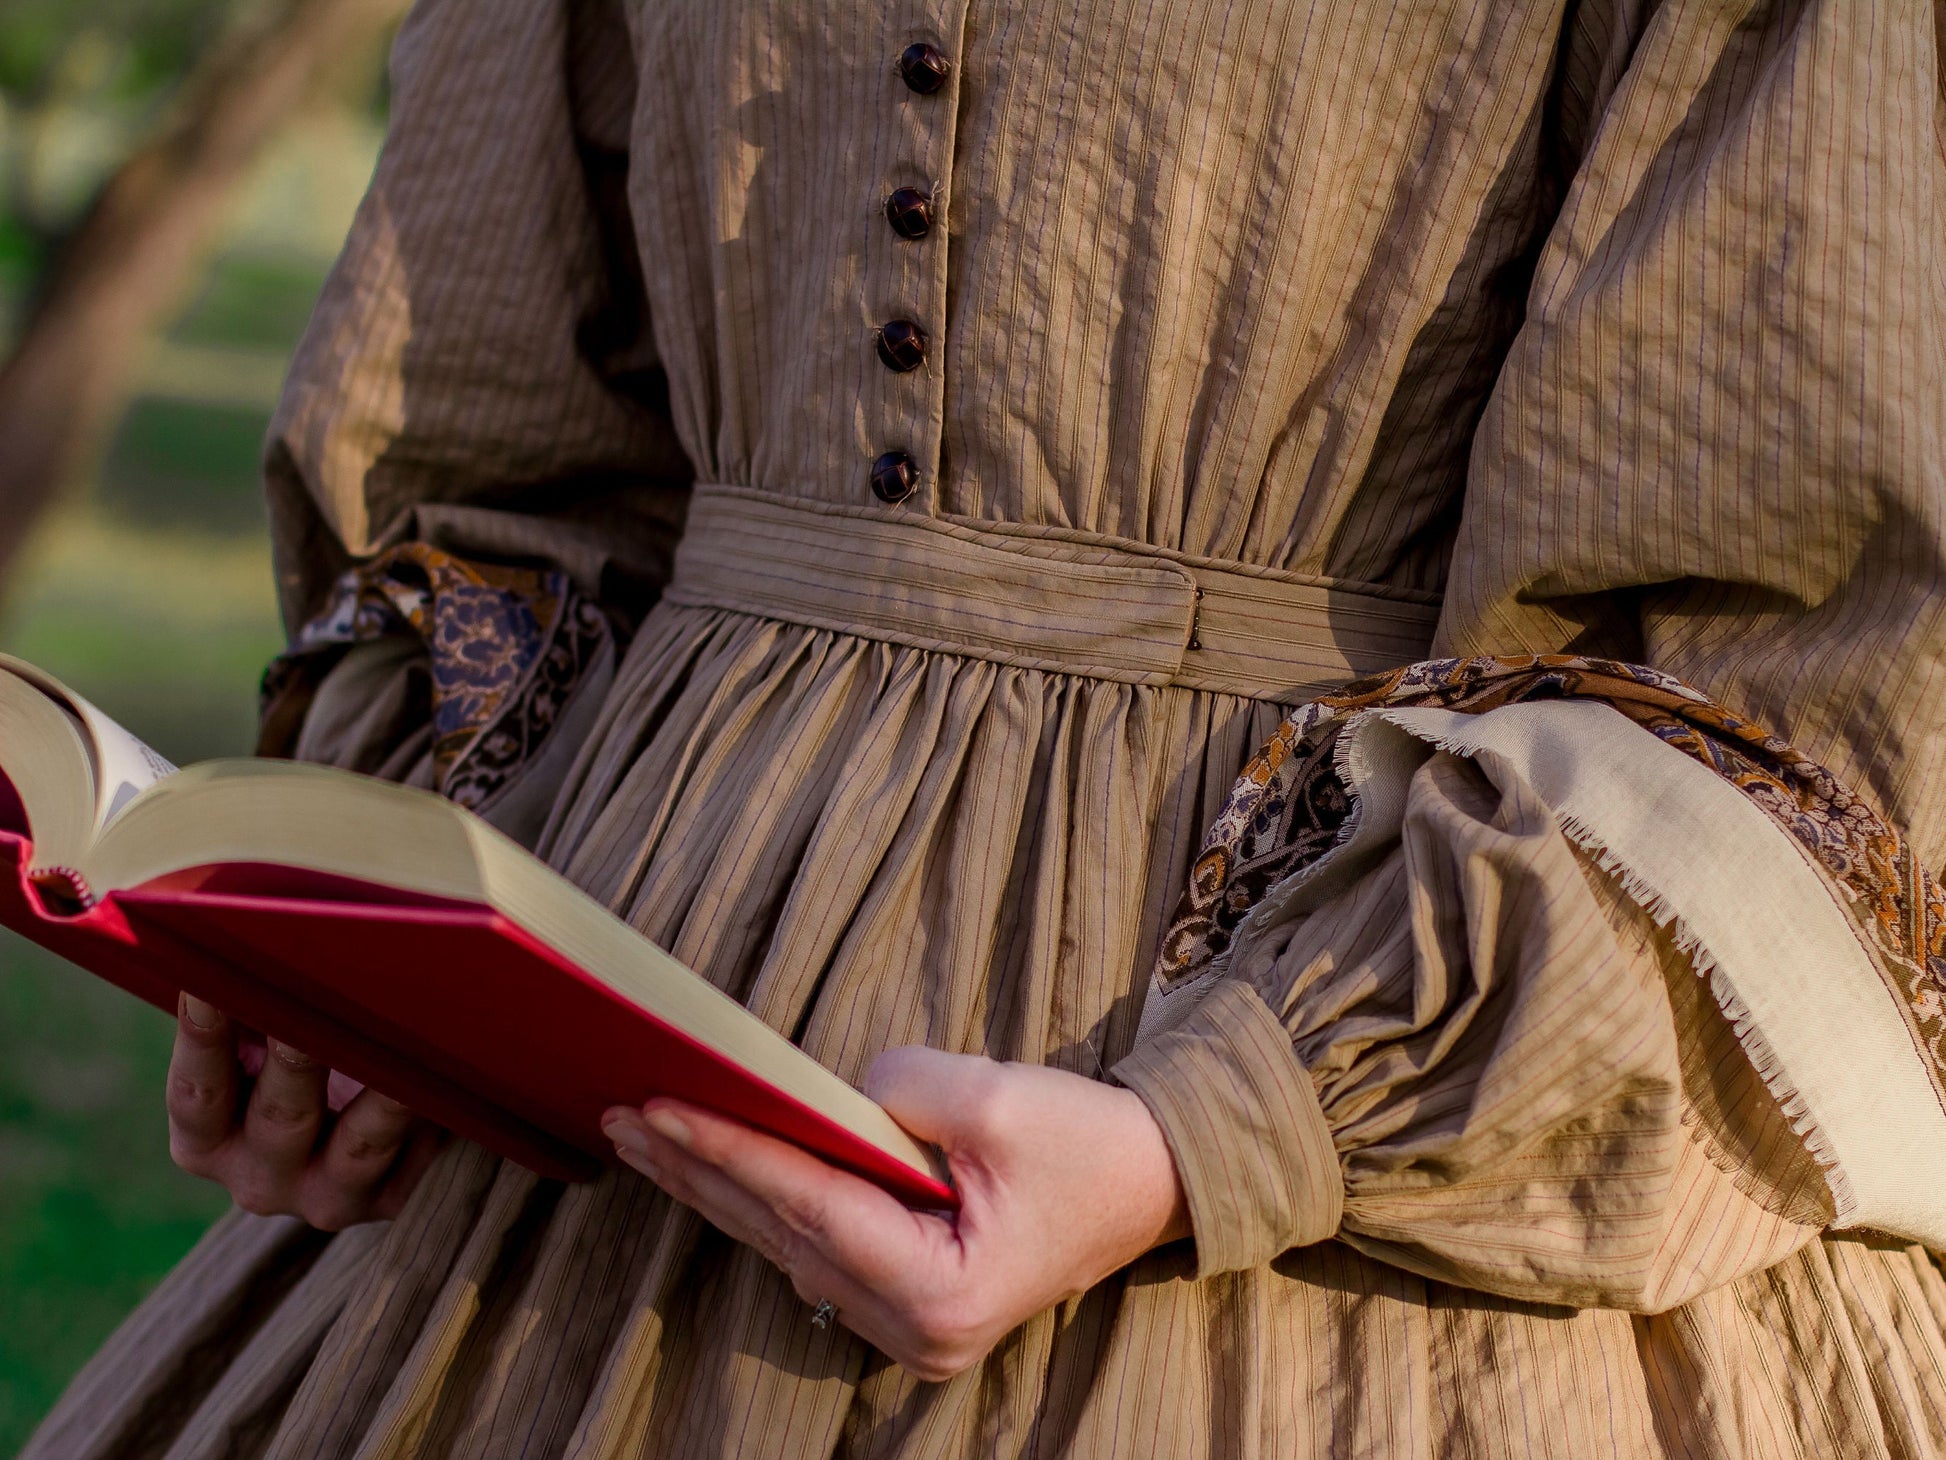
1243	1122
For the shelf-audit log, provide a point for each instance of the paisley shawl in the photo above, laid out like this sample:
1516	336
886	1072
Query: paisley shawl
507	647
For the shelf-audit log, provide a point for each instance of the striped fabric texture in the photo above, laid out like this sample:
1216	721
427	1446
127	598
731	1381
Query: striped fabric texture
1608	326
1076	603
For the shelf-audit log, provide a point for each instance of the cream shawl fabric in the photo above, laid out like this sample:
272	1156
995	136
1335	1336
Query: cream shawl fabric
1818	1020
1609	325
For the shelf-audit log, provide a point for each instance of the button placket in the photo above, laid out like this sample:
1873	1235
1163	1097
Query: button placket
904	277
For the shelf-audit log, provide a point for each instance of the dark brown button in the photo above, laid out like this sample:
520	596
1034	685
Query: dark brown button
909	211
894	475
902	345
924	68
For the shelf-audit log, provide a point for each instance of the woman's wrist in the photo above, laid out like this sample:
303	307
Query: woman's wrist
1158	1206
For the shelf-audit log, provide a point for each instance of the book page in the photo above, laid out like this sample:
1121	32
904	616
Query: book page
123	766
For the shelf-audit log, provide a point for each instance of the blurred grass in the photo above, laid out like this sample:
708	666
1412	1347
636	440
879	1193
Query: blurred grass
158	471
252	300
20	258
168	632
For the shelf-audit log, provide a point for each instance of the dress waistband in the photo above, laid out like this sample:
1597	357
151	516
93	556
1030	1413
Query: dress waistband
1048	599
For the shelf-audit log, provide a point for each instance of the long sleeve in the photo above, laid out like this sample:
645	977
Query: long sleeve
479	376
1718	445
1482	1063
1715	447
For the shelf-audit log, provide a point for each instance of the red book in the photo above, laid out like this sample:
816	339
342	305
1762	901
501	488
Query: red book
395	937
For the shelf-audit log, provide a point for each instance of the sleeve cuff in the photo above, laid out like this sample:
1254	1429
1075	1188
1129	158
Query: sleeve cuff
1242	1120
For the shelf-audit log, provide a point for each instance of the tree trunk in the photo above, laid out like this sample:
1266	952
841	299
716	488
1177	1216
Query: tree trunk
137	250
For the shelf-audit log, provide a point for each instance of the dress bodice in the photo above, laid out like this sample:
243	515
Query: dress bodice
1190	279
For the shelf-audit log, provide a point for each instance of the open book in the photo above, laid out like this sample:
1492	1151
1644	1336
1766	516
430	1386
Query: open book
394	936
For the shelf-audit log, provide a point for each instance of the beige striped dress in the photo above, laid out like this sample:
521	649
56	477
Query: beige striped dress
1260	343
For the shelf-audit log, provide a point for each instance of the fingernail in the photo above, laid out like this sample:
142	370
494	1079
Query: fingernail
203	1016
670	1126
626	1137
290	1057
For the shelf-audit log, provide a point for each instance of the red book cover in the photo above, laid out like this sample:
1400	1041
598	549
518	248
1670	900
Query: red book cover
446	1006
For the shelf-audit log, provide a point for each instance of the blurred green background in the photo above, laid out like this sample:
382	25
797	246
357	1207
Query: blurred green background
148	589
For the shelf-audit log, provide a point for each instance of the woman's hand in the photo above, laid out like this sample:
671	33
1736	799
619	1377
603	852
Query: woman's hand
1062	1180
273	1142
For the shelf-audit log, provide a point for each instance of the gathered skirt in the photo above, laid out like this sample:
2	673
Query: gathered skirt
872	845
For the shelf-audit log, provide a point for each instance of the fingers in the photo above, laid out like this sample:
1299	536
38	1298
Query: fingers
202	1091
695	1181
367	1138
812	1206
343	1182
834	1235
265	1149
899	1279
740	1214
280	1131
